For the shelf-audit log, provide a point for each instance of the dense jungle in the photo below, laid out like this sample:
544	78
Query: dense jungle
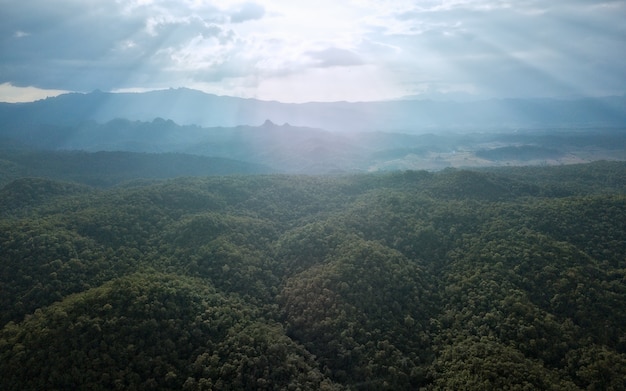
485	279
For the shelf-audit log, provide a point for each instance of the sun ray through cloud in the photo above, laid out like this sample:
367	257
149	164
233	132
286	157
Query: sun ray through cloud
354	50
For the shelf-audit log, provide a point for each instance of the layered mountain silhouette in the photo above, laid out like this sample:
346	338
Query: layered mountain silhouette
270	147
257	136
191	107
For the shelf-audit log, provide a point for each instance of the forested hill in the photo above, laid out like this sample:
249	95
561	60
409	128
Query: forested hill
106	168
477	280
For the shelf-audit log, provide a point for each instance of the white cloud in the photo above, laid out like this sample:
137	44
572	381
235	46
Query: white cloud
260	48
334	57
246	12
20	34
314	84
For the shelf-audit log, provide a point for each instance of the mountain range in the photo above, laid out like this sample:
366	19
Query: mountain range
285	148
255	136
191	107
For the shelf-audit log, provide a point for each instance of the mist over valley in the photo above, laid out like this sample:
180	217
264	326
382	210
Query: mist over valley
368	138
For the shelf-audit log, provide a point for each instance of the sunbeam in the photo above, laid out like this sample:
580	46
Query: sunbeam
353	51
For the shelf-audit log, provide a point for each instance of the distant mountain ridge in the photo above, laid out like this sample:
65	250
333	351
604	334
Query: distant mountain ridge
320	137
286	148
191	107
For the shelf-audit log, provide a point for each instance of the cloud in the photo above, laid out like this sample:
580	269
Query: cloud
505	48
20	34
334	57
246	12
490	47
101	44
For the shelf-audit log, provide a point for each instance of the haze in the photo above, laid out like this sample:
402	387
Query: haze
315	51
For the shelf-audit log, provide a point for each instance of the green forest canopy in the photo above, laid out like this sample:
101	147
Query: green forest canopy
504	279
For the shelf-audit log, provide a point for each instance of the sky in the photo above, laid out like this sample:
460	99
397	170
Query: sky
322	50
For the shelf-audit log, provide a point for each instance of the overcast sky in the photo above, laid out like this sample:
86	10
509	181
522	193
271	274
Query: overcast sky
322	50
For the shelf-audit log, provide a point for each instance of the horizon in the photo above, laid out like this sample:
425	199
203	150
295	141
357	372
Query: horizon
31	95
274	50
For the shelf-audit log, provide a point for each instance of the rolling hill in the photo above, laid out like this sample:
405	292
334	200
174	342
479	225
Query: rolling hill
511	278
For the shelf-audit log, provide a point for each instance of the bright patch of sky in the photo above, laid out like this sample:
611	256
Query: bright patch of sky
326	50
11	94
